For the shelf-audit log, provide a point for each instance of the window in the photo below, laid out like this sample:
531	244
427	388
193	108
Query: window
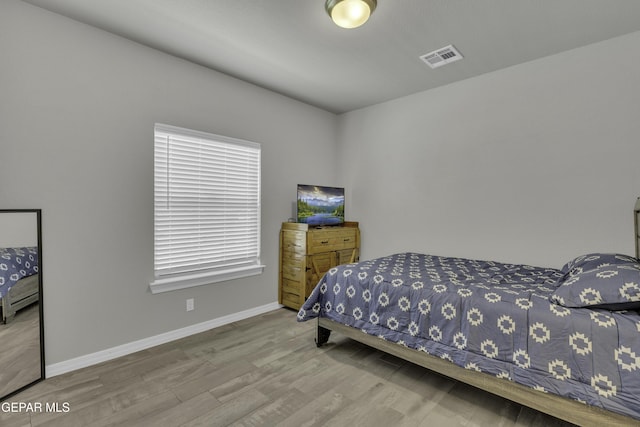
206	208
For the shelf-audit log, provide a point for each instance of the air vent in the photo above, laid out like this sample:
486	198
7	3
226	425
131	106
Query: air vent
442	56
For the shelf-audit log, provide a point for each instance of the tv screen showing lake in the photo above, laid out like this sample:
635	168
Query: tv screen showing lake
320	205
323	219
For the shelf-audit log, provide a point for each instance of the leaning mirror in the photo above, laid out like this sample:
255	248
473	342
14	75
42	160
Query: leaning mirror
21	327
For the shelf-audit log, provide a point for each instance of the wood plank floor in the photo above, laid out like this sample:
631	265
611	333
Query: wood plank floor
264	371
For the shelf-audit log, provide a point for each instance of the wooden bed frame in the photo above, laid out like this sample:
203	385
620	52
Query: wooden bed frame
25	292
554	405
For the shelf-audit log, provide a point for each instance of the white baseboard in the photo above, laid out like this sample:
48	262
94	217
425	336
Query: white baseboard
122	350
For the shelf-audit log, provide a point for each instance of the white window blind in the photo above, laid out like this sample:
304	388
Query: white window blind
207	208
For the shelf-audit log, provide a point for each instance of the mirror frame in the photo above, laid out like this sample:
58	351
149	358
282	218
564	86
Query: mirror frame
38	213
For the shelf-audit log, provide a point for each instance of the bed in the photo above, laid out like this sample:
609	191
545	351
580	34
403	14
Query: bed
19	281
565	342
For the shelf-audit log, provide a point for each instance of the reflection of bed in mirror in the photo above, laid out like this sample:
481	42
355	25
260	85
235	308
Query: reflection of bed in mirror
18	280
21	328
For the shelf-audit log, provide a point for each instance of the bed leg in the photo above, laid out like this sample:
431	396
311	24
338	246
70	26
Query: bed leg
322	335
8	317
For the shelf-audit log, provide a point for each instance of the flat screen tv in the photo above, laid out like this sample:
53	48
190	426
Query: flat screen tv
320	205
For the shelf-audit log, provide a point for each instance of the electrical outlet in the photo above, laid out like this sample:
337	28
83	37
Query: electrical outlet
190	304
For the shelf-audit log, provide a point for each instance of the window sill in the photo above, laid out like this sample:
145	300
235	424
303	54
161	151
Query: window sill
191	280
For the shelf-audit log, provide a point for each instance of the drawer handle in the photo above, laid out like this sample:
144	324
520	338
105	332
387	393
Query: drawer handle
346	240
324	242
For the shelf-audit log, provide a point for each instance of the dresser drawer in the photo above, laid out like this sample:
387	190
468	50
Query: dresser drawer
293	269
332	240
290	294
294	242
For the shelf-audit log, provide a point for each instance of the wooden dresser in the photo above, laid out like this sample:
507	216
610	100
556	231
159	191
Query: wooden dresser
308	252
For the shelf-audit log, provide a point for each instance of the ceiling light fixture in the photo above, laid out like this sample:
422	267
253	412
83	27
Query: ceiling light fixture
350	13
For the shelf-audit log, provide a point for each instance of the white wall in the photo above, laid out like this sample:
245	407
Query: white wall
536	163
77	109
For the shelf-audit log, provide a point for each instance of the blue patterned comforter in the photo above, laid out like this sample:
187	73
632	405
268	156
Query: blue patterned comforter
15	264
491	317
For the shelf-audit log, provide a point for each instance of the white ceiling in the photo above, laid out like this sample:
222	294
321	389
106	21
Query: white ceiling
292	47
